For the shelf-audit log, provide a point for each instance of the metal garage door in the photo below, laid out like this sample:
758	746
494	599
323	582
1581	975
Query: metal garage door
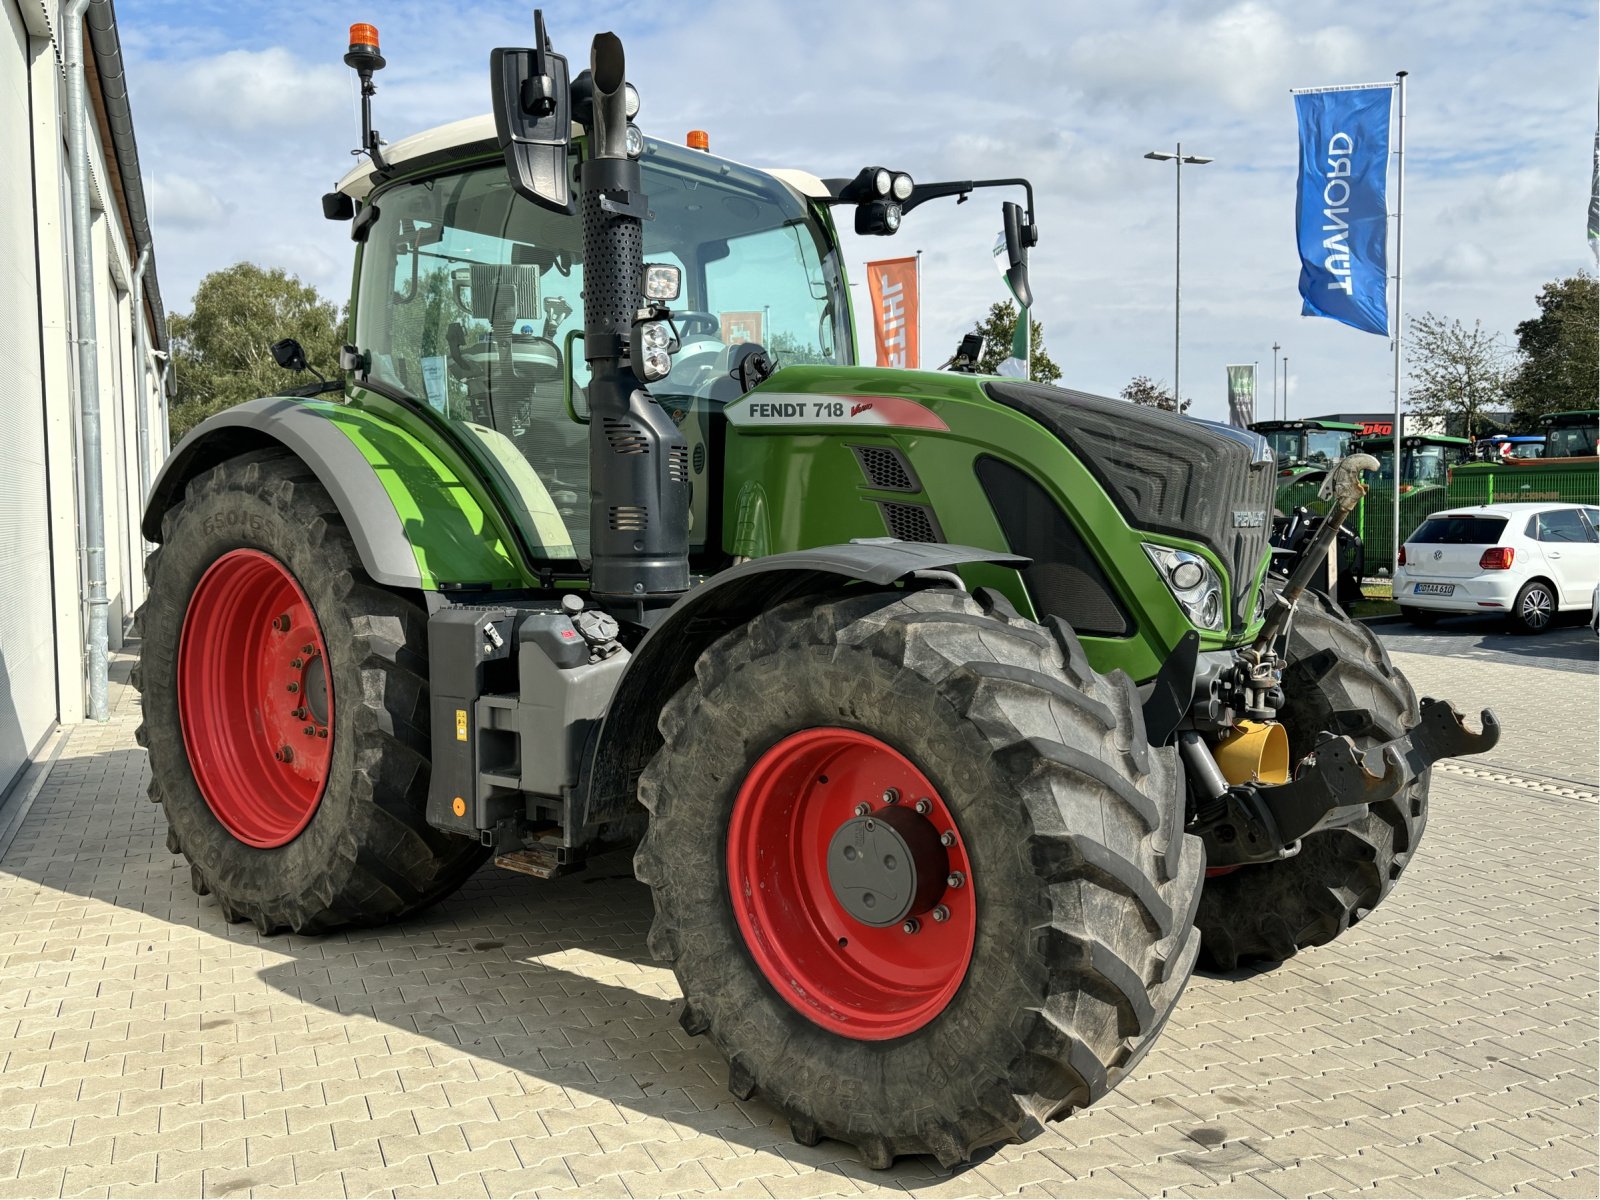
27	646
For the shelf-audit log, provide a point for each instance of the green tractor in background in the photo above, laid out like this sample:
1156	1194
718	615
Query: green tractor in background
953	719
1426	463
1305	452
1565	470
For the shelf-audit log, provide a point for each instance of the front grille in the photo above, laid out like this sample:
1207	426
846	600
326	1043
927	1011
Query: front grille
1165	473
911	522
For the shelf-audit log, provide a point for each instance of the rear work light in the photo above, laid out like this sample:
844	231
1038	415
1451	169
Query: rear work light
1497	558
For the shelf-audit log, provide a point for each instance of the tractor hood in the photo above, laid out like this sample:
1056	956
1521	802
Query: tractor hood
1166	473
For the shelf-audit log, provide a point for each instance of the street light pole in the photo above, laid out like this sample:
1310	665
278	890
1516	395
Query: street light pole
1285	387
1178	157
1275	349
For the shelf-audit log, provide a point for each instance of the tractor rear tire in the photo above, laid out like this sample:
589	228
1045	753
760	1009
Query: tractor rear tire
1070	872
307	819
1339	679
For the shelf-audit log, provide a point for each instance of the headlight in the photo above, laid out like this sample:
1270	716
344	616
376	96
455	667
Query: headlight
635	142
1193	584
881	182
652	350
630	100
902	187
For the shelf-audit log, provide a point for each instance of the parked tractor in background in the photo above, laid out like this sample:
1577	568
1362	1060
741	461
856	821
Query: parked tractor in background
1565	468
1426	459
953	718
1305	452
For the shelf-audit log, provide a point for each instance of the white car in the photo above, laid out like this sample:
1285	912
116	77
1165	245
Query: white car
1526	561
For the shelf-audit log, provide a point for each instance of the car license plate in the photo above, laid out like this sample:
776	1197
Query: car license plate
1435	589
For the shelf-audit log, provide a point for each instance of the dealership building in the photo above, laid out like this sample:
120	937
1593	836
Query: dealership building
83	342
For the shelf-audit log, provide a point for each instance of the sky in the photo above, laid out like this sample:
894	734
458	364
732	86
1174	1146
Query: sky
245	115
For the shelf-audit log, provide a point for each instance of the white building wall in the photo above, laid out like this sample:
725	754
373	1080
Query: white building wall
43	585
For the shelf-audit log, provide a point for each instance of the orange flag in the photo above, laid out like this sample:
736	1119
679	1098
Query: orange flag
893	284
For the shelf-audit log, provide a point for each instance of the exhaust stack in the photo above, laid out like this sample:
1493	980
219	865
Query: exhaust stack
638	461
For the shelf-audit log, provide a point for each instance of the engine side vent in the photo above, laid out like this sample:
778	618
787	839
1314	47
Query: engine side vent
629	518
699	458
886	469
911	522
626	437
678	463
1064	580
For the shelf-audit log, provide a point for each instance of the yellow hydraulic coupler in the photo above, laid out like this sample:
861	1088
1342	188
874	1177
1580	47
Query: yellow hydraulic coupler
1253	752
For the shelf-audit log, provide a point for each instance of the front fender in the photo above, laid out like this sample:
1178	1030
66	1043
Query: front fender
664	660
417	522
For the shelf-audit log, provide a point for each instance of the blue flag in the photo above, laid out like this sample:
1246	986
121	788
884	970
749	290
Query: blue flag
1341	211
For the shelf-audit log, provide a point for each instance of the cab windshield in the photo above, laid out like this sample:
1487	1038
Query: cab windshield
470	303
1571	441
1423	465
1300	446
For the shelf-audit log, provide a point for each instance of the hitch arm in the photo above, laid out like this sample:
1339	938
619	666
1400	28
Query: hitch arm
1259	823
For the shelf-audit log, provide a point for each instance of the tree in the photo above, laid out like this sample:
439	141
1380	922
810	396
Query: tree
998	328
1456	373
1560	366
1142	389
220	354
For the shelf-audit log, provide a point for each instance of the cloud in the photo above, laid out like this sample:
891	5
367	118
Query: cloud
267	92
181	202
259	115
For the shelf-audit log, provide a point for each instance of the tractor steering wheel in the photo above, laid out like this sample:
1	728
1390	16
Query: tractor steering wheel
693	325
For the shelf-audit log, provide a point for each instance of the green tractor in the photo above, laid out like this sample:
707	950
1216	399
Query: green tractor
1564	470
1305	452
1427	461
953	719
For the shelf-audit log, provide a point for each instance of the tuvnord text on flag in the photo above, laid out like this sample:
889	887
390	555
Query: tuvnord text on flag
1341	207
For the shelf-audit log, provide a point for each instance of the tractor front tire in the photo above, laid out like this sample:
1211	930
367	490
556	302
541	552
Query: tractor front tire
1055	934
285	709
1340	680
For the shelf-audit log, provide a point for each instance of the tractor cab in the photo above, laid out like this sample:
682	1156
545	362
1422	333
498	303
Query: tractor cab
469	308
1305	444
1572	434
1425	459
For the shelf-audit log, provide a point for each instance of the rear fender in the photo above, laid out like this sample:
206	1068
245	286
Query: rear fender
417	522
664	661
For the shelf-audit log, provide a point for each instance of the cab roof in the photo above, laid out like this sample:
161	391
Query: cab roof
1306	423
475	136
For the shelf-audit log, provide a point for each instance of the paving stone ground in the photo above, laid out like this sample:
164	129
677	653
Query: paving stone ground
517	1041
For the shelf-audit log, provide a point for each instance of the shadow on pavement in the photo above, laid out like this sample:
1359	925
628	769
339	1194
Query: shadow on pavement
551	979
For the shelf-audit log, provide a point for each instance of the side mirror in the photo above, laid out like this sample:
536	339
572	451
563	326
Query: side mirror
1017	242
289	355
532	96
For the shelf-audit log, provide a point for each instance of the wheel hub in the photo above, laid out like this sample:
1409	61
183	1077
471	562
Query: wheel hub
851	883
254	698
887	867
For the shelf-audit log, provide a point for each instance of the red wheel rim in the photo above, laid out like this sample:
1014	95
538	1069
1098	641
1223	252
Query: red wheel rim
254	699
803	918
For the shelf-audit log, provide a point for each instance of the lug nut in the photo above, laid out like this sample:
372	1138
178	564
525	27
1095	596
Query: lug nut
307	649
955	879
941	913
297	664
863	809
924	806
299	714
911	925
891	796
284	754
294	687
322	733
947	838
281	622
310	729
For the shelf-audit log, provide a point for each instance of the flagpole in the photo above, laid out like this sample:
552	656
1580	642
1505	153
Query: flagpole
919	310
1399	311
